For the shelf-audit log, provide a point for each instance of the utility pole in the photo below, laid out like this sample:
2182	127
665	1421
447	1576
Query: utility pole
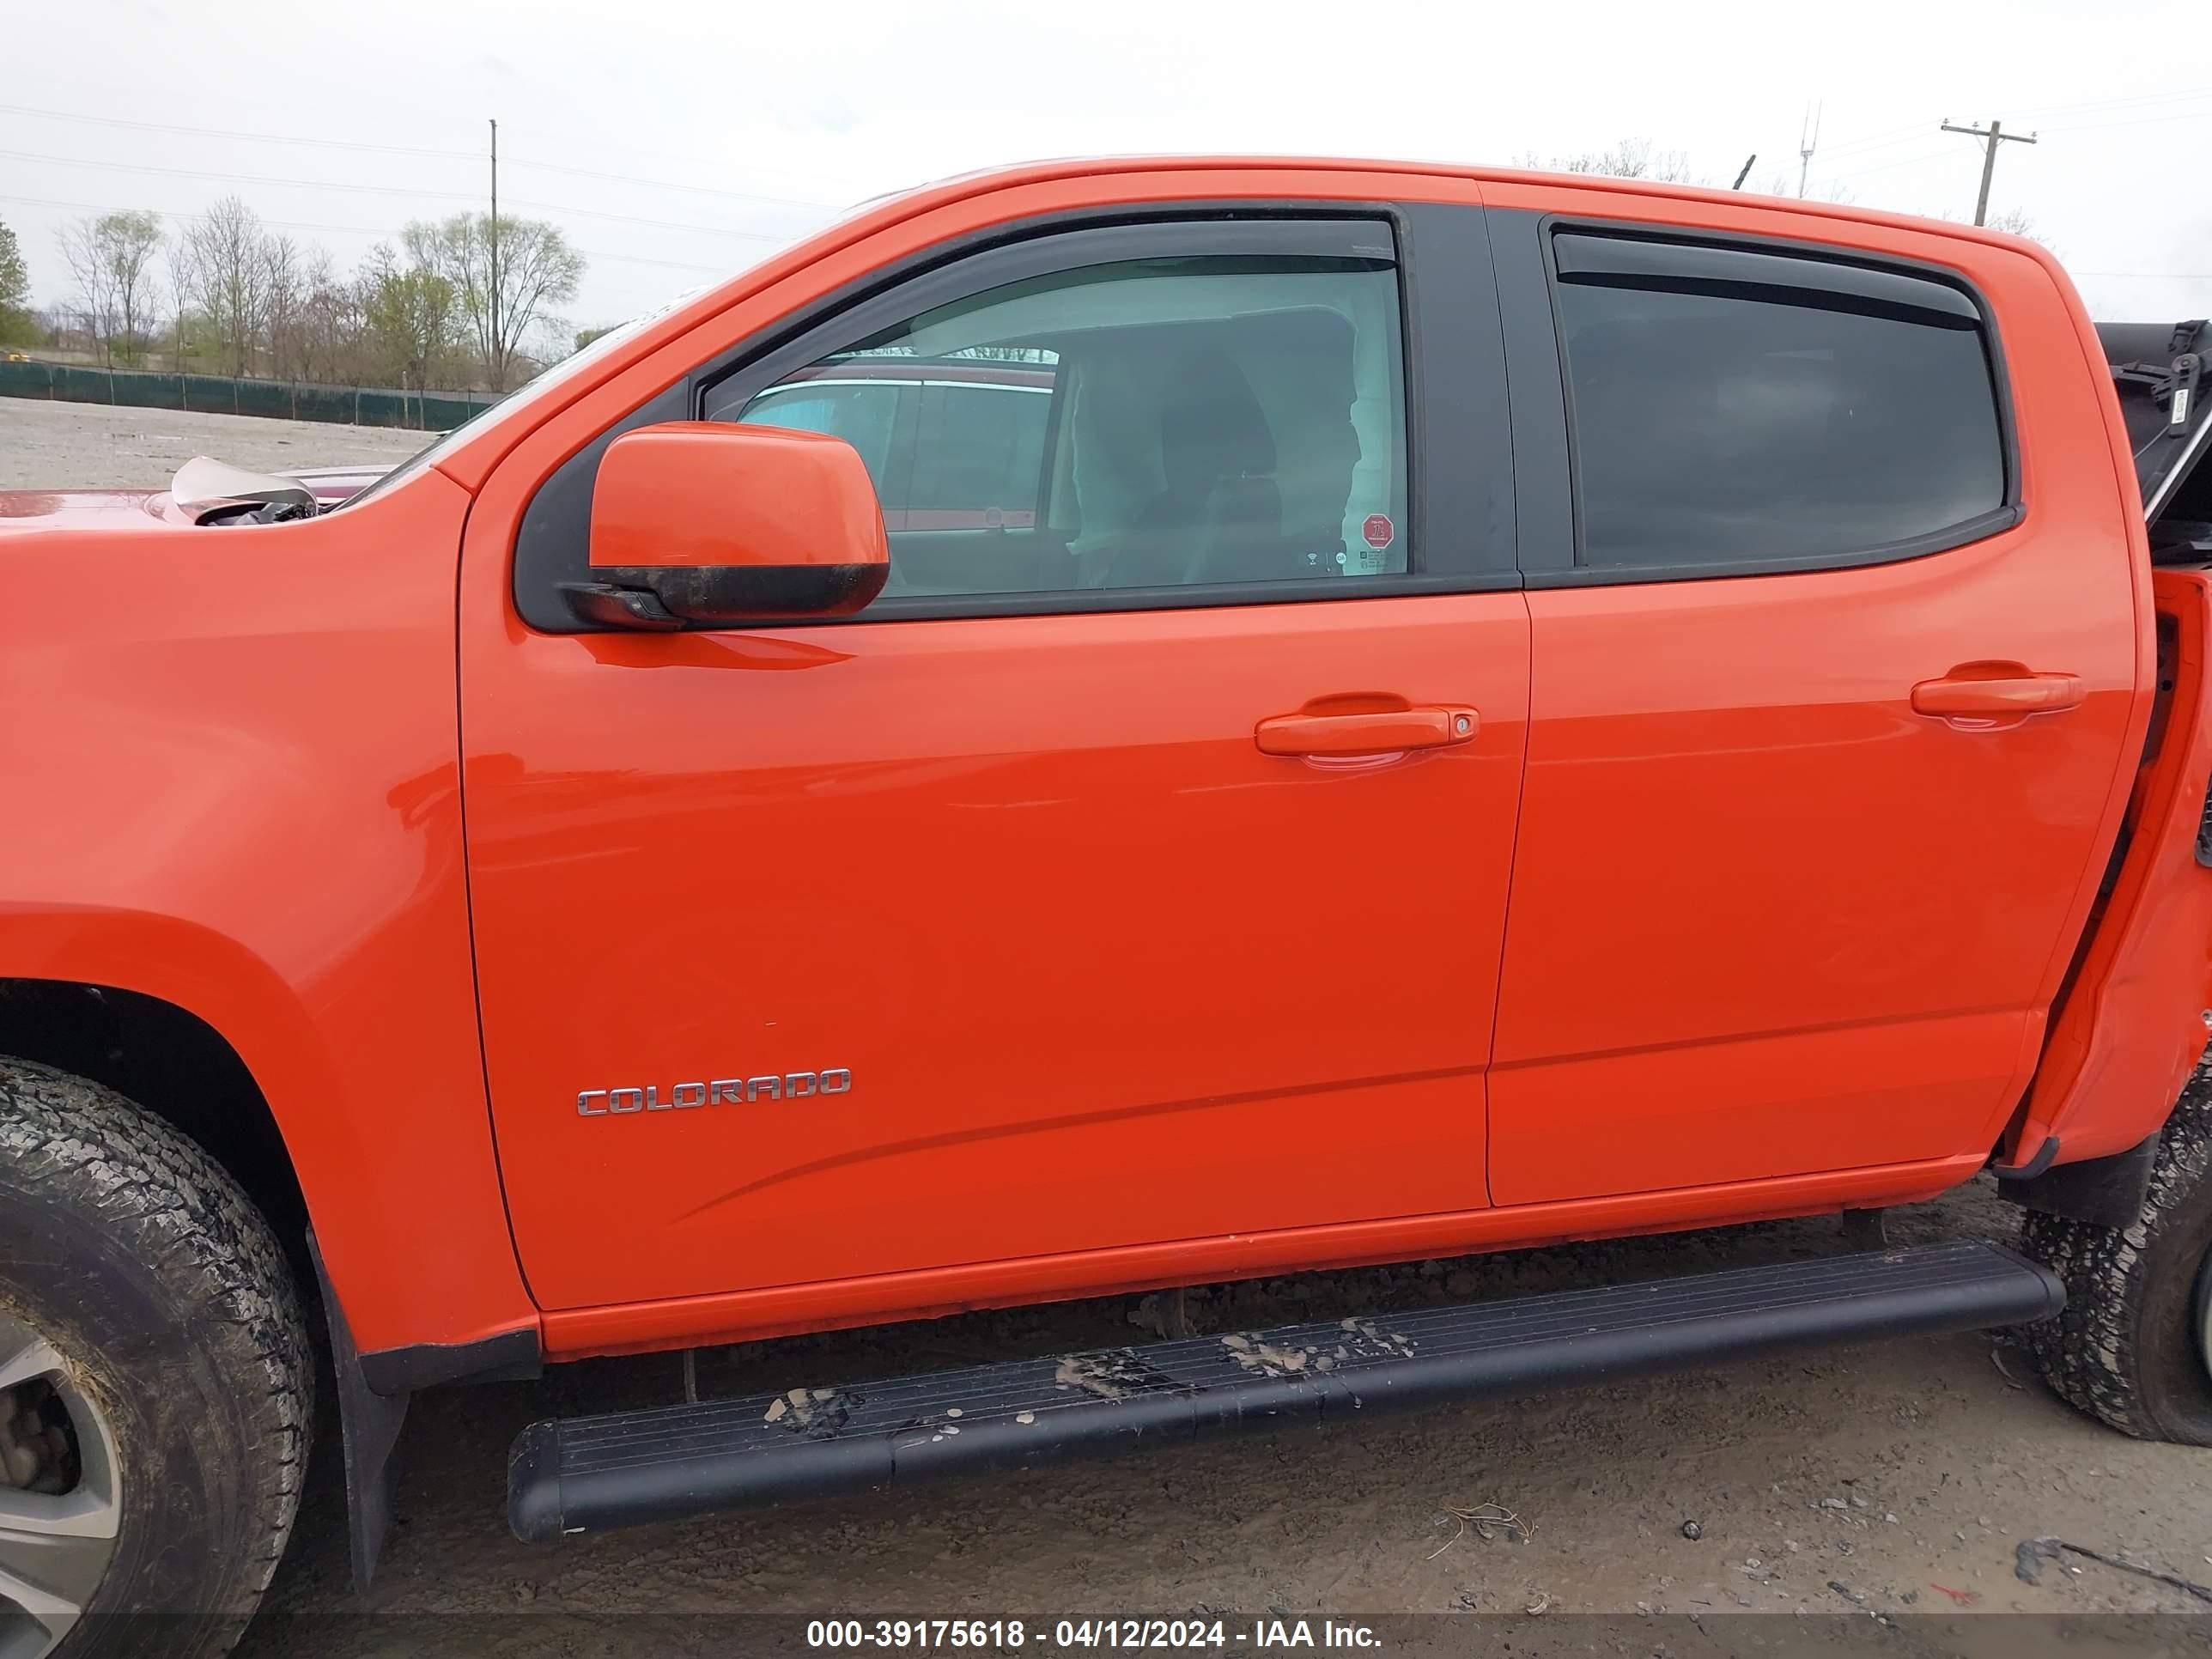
492	353
1992	137
1809	140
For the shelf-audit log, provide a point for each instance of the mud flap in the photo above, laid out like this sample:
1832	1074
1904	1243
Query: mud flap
369	1423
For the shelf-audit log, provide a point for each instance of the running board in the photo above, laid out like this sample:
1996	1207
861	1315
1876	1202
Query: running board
590	1473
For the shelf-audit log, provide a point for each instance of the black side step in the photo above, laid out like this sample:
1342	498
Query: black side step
589	1473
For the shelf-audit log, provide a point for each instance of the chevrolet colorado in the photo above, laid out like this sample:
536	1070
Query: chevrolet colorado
1097	727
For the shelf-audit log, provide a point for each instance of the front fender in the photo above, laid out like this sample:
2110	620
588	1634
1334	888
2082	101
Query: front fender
232	756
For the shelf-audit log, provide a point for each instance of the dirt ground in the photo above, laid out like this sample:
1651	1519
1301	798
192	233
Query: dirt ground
1895	1480
1892	1481
52	446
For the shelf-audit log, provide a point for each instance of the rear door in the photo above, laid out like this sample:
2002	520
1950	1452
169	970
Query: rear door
1132	873
1800	863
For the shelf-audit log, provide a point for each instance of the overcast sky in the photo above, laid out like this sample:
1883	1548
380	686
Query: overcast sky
678	140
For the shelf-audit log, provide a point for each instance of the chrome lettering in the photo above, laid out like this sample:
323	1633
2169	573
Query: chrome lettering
717	1091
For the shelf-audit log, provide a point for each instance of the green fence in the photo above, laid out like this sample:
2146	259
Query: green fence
283	400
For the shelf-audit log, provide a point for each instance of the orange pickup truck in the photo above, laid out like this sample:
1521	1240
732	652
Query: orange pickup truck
1104	726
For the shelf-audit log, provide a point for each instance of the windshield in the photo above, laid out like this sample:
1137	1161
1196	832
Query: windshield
524	395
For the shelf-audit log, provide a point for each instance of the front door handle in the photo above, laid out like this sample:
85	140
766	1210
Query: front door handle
1385	731
1985	694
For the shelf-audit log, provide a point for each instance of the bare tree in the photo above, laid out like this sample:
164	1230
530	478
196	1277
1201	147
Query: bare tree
1630	158
180	272
536	270
133	242
2018	222
284	278
95	285
63	328
229	271
1783	182
112	257
327	325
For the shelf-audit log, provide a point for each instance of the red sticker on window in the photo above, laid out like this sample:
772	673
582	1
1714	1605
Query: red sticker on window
1378	530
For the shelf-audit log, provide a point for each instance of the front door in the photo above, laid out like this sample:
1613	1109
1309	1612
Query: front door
1133	871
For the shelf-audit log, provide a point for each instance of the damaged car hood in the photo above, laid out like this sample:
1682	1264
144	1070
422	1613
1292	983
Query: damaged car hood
203	491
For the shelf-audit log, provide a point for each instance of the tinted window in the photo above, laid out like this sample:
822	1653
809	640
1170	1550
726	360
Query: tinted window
1164	421
1771	424
979	445
862	413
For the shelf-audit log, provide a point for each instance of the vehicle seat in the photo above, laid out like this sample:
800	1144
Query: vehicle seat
1220	516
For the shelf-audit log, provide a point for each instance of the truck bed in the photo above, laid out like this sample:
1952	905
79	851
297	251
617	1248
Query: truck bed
2158	369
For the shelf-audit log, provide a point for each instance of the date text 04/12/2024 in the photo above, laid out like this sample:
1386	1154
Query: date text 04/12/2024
1085	1634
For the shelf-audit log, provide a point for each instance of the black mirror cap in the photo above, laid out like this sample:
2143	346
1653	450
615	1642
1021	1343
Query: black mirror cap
730	593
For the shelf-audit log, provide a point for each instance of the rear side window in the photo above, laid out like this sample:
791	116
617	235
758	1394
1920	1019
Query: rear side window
1747	409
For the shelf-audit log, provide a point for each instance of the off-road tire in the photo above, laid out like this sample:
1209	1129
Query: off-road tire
2128	1347
139	1258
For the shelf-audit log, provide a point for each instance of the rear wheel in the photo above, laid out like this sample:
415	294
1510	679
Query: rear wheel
155	1382
2134	1347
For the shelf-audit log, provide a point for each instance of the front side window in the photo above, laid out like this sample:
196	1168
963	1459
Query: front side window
1171	422
1737	423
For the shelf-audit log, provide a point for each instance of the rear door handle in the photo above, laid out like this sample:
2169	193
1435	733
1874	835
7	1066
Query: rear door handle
1996	694
1389	732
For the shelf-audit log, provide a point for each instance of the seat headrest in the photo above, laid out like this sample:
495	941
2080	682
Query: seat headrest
1211	426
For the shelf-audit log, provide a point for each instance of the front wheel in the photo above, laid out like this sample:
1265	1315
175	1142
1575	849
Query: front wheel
156	1383
2134	1347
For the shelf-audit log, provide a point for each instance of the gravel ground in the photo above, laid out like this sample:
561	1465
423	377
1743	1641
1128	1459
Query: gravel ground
1897	1481
45	446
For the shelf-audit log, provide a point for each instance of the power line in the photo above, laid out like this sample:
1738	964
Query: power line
1873	145
225	133
390	190
411	150
1887	166
658	224
359	230
1889	138
2141	121
2177	96
2084	126
1991	136
233	178
664	183
1881	140
273	224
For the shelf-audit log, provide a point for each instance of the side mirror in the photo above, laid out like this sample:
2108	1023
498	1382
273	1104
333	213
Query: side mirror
709	522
